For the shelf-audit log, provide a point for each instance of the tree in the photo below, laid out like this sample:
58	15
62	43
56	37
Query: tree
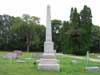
56	26
26	27
86	27
78	32
5	27
74	32
95	39
74	18
65	38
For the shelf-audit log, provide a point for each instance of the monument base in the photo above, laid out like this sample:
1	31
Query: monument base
49	55
49	65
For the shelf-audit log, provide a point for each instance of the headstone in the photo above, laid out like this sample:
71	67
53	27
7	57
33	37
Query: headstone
11	56
19	53
87	58
20	61
36	55
90	68
74	61
95	68
48	60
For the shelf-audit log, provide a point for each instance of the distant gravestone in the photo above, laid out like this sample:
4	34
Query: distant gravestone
20	61
74	61
36	55
87	58
11	56
19	53
90	68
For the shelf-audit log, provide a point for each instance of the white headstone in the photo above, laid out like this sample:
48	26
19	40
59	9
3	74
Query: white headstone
74	61
90	68
87	58
95	68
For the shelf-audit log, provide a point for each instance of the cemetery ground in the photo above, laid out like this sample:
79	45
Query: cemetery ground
11	67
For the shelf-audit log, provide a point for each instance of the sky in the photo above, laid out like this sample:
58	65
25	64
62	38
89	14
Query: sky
60	9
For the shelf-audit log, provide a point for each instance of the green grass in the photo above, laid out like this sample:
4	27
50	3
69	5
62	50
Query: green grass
10	67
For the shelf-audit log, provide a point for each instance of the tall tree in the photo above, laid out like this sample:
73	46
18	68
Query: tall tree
95	39
26	27
86	27
74	31
65	37
56	26
5	26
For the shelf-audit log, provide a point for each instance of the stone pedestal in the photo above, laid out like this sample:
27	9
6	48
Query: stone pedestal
49	64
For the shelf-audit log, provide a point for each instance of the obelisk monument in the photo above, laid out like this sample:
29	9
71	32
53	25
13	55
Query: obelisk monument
49	61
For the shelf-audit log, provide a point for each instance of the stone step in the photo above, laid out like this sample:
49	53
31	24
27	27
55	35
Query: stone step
49	56
49	67
49	61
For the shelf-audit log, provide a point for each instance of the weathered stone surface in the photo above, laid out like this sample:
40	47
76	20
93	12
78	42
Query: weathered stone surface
49	67
48	47
36	55
20	61
95	68
49	61
11	56
49	55
18	52
74	62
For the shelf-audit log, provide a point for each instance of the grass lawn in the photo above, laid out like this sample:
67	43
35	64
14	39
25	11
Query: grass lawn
10	67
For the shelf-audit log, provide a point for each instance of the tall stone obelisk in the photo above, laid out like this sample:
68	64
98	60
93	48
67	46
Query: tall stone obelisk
49	61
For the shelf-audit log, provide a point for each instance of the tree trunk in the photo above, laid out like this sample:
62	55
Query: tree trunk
28	43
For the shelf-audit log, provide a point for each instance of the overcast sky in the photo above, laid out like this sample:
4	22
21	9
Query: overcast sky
60	9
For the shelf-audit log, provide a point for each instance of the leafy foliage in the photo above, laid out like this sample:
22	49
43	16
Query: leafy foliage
75	36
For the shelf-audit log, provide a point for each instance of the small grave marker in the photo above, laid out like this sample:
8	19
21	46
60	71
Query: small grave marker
11	56
20	61
36	55
74	61
90	68
87	58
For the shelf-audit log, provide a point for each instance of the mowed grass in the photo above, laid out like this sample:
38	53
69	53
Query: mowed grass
10	67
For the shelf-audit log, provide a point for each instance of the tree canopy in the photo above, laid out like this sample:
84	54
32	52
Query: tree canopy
75	36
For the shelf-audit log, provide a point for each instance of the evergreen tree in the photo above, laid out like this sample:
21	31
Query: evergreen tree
75	39
56	24
86	27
